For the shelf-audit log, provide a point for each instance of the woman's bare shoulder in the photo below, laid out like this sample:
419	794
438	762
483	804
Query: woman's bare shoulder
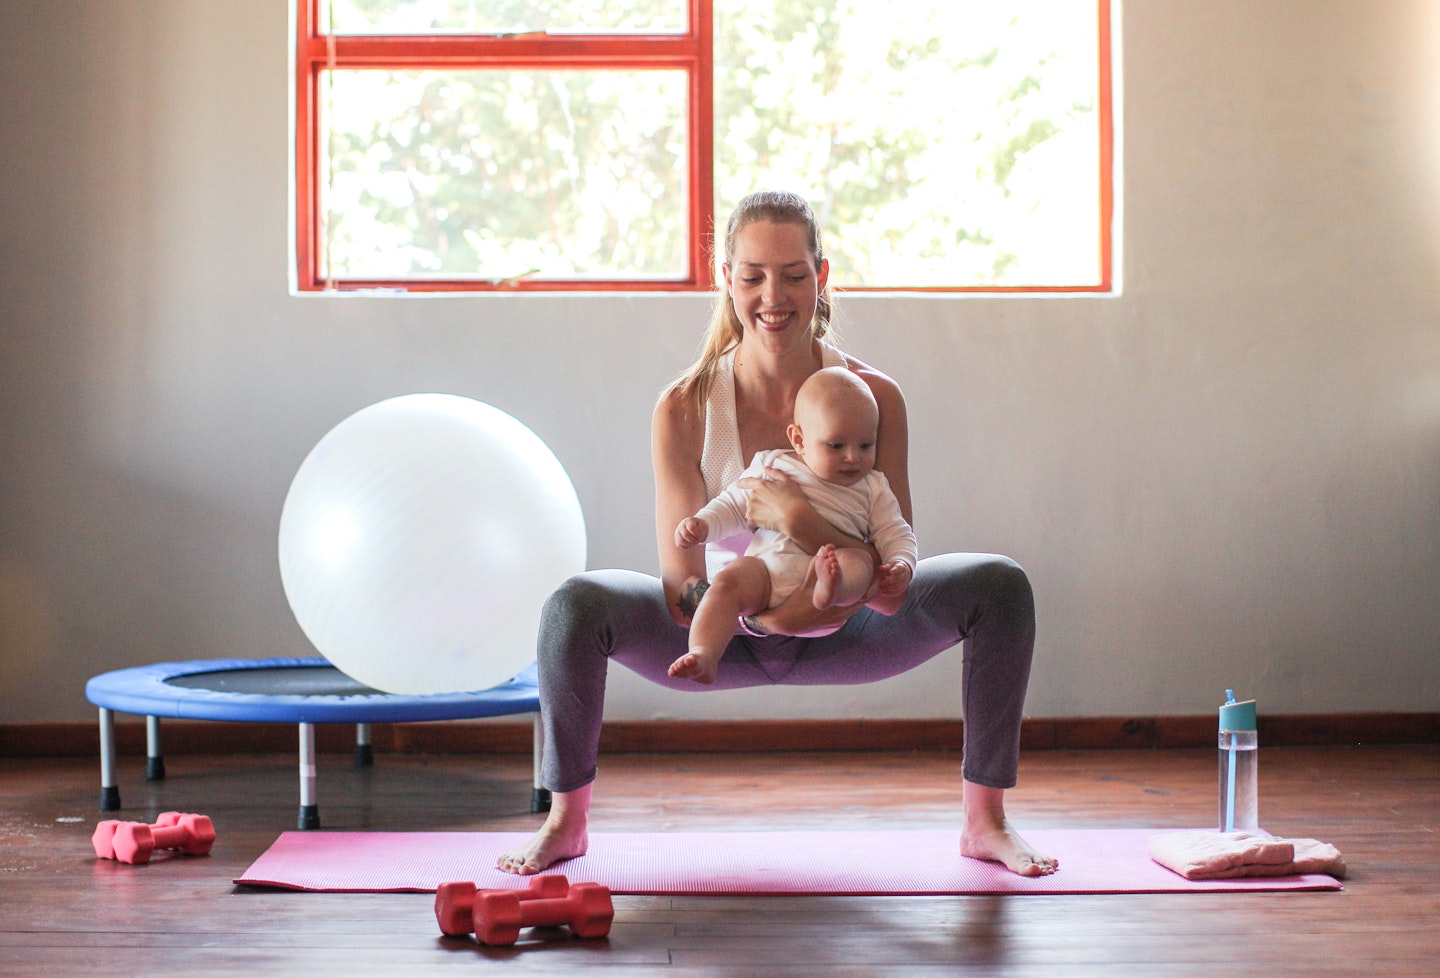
882	385
678	421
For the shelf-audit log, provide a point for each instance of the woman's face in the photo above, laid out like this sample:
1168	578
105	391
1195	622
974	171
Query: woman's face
773	282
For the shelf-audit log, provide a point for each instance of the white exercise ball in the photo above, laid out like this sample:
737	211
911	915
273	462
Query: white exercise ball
420	539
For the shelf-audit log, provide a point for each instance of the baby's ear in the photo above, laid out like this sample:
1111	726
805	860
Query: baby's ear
797	438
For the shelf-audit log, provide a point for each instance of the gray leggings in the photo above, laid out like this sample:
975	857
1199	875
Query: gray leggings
983	599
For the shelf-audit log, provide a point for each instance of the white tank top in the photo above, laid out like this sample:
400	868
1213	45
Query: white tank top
720	460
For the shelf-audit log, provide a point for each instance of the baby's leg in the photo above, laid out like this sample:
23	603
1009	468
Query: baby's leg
742	587
842	576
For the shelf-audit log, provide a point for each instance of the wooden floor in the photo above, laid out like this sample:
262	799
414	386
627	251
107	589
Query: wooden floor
62	912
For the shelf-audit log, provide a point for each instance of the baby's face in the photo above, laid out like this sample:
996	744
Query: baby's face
838	445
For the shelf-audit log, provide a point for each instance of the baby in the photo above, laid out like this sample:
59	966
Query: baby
833	437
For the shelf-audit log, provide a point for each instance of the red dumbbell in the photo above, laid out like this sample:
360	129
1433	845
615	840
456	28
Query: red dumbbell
133	842
455	902
103	839
586	909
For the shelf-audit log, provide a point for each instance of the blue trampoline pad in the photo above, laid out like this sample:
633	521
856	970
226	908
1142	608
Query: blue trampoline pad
288	690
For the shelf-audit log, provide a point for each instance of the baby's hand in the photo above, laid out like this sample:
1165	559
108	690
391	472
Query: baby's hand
691	532
895	578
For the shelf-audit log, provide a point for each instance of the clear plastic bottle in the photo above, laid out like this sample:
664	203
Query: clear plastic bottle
1239	767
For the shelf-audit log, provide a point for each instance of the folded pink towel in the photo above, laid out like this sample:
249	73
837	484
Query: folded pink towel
1225	855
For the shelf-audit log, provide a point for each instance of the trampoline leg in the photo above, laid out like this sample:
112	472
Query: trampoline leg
364	754
109	790
154	758
309	810
539	797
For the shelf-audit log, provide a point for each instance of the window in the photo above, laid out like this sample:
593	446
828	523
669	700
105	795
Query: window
596	144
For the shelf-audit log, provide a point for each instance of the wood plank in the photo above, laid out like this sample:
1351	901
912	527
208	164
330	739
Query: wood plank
64	912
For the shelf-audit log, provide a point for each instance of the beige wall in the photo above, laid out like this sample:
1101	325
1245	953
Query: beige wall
1227	476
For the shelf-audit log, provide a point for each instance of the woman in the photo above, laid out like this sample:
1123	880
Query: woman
765	338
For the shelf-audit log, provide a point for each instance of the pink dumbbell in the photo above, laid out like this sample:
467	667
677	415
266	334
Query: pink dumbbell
133	842
500	915
455	902
103	838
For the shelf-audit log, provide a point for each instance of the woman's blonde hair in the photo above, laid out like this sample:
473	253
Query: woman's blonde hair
725	330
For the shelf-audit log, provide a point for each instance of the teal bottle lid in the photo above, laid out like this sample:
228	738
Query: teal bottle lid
1237	716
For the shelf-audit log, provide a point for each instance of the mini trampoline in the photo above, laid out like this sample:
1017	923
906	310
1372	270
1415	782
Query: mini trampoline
299	691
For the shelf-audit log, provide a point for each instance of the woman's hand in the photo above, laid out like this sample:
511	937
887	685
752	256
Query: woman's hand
892	584
778	503
775	502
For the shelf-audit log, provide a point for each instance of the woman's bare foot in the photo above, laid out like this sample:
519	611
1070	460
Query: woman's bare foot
989	835
827	576
698	666
1005	846
565	835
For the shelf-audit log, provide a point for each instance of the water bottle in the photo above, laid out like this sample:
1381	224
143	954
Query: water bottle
1239	781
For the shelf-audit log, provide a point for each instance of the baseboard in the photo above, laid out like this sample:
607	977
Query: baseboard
510	735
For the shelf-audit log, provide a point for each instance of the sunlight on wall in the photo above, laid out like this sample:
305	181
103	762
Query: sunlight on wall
1421	109
1426	58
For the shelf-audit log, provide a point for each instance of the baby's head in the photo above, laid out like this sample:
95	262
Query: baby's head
835	422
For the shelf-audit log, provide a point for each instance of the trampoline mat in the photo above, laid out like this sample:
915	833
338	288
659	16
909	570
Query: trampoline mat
276	681
292	690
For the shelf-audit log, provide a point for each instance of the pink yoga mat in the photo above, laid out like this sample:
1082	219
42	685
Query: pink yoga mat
840	863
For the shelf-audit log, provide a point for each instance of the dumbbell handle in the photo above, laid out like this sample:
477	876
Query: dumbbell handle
176	837
547	913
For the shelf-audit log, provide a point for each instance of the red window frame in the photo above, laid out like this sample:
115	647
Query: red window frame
691	52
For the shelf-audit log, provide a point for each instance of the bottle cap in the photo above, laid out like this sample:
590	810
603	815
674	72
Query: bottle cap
1238	716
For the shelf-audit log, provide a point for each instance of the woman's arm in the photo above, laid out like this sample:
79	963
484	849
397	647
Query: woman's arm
892	443
677	432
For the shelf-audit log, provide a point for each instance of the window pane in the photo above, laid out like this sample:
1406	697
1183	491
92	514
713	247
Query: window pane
488	174
942	143
504	16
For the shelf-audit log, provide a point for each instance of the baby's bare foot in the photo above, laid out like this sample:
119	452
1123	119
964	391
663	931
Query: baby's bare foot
694	665
827	576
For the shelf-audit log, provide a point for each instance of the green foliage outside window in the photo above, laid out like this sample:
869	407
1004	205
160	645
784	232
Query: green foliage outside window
944	143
